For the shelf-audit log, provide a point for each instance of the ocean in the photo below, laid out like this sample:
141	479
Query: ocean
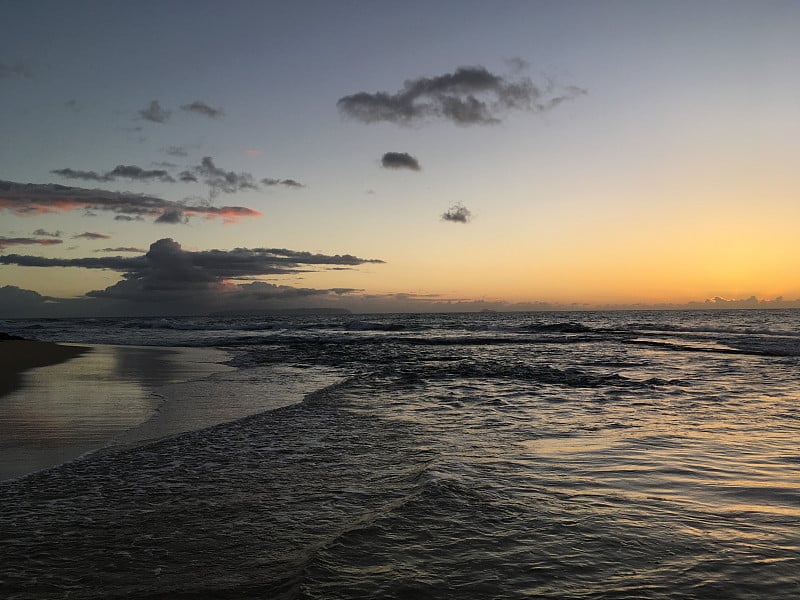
487	455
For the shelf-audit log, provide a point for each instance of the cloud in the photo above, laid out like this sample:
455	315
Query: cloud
468	96
217	179
91	235
153	112
18	70
125	171
5	242
176	150
42	232
29	199
123	249
457	214
201	108
172	215
177	281
290	183
72	105
78	174
139	174
127	218
399	160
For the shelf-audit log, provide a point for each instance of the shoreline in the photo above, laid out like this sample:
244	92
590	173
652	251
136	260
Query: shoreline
19	355
63	401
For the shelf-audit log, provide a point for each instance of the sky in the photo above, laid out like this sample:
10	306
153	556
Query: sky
194	157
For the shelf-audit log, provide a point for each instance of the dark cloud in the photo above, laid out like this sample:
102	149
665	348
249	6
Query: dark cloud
290	183
201	108
29	199
18	69
5	242
91	235
219	180
57	233
172	215
123	249
179	281
176	151
399	160
139	174
457	214
127	218
125	171
468	96
83	175
153	112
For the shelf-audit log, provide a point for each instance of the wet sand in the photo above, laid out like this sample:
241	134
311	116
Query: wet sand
61	402
17	356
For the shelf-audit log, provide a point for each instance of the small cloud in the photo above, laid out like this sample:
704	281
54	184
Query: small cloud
5	242
90	235
457	214
153	112
123	249
172	215
42	232
201	108
127	218
176	150
78	174
18	69
220	180
517	64
72	105
139	174
126	171
291	183
253	152
399	160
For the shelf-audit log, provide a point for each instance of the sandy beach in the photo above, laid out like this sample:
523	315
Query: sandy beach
17	356
61	401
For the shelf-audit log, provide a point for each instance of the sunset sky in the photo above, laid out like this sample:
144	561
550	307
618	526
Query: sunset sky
385	155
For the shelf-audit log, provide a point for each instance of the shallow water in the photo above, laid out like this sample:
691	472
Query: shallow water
603	455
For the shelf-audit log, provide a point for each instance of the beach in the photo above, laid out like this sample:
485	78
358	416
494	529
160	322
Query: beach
62	401
19	355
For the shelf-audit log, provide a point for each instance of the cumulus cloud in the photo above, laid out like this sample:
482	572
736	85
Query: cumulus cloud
201	108
18	69
19	241
187	281
131	172
399	160
468	96
57	233
29	199
457	214
92	235
155	113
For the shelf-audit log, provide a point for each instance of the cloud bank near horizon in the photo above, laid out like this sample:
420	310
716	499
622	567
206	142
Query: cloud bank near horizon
183	281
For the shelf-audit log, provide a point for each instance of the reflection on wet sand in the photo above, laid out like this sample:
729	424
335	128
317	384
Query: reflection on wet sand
64	410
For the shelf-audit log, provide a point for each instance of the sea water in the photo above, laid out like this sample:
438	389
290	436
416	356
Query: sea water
515	455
